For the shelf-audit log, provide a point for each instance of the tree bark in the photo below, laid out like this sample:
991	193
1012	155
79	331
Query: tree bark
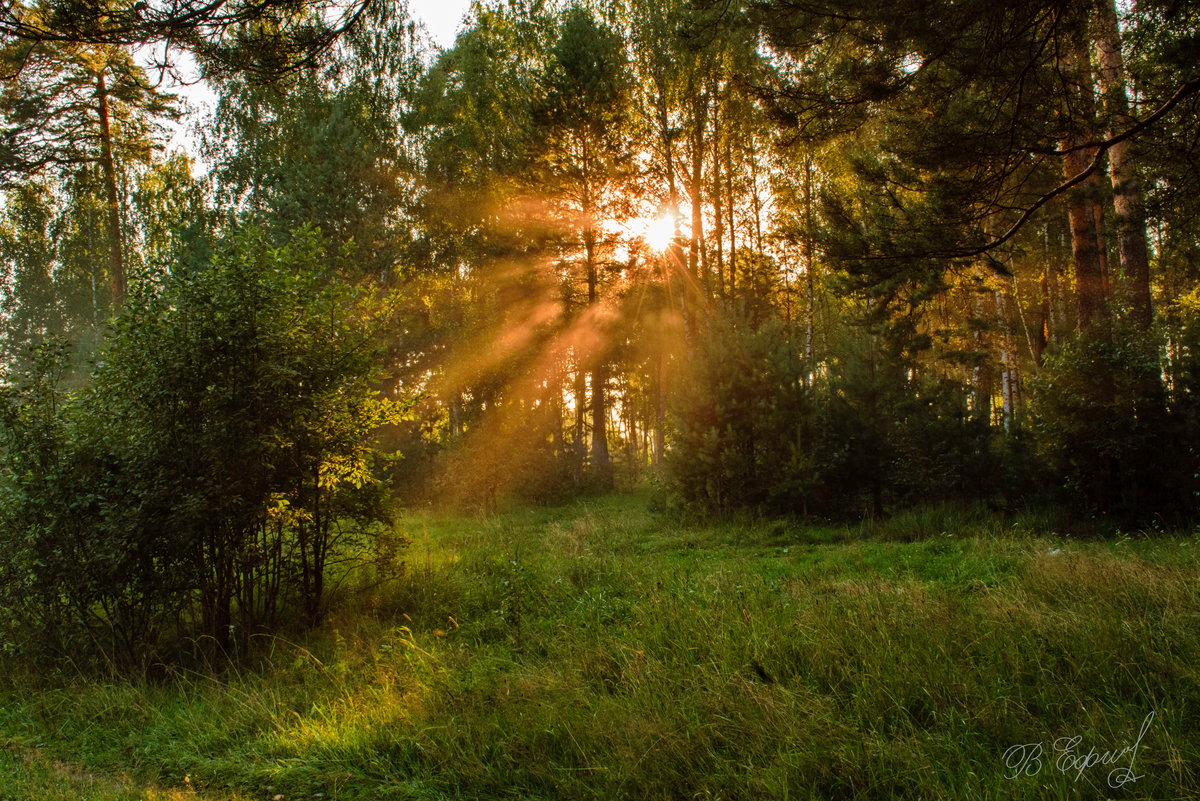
117	257
1127	192
579	446
1008	363
732	216
715	199
1085	242
696	195
809	282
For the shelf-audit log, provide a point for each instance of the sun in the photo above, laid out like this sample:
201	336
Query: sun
657	231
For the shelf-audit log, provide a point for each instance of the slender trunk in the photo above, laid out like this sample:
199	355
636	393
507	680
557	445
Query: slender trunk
732	217
600	457
117	259
809	284
695	193
981	375
601	462
715	198
554	400
757	205
1127	192
660	407
303	532
219	615
320	552
1043	336
1008	362
580	392
668	144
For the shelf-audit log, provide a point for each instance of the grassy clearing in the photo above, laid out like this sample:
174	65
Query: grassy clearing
599	652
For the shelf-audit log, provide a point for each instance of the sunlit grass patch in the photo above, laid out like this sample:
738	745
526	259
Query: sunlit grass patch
28	773
549	654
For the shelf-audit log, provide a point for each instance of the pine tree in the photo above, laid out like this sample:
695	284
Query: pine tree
70	106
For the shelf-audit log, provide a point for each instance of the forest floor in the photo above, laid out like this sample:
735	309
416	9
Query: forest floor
602	651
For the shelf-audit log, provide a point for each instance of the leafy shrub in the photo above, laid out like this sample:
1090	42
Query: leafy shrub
218	466
758	426
1102	426
743	423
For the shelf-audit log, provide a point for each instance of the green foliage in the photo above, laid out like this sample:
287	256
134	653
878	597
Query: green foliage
313	154
31	309
896	434
168	214
586	80
217	469
744	423
1104	429
59	578
50	106
759	427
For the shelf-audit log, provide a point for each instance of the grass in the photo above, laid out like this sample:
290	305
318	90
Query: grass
598	651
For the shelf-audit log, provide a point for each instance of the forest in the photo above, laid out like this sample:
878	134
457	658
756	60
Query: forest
607	319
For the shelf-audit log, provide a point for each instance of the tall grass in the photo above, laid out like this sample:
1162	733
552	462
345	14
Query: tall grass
598	652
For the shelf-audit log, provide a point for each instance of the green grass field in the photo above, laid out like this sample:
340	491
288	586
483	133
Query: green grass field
599	651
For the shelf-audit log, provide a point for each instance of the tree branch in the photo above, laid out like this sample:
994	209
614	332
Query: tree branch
1184	91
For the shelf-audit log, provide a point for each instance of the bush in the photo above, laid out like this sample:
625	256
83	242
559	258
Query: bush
743	424
1102	426
214	472
757	426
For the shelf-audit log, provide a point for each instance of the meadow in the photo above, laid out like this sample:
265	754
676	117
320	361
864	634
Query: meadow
602	650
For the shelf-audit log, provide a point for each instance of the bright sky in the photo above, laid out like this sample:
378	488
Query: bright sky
441	17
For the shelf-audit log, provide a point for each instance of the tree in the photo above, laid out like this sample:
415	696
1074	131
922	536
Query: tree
1126	186
32	312
585	156
70	106
967	183
324	146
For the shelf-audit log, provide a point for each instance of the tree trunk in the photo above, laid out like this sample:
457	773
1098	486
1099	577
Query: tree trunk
668	144
601	461
732	216
1127	192
1042	341
601	465
981	374
809	282
580	448
110	190
756	205
715	199
1085	242
696	195
660	408
1008	363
